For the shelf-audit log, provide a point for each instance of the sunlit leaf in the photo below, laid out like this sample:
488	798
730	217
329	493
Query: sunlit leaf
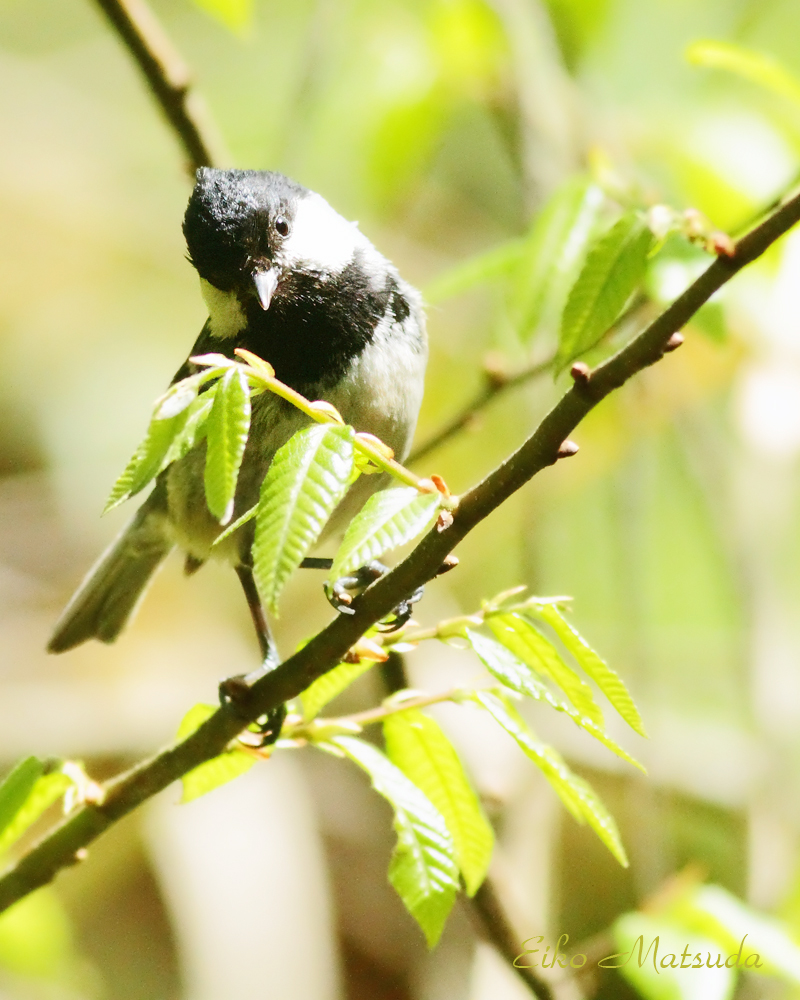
553	255
460	278
517	676
16	788
716	913
422	869
613	269
387	520
194	430
417	745
47	790
525	641
227	429
608	680
234	14
306	480
36	939
576	794
756	67
217	771
148	459
330	686
649	951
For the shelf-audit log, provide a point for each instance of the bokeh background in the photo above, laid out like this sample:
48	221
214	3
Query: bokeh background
442	126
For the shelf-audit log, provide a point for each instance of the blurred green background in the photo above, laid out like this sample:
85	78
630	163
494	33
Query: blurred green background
442	126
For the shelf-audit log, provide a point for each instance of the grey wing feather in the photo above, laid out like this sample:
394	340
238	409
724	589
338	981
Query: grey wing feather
111	590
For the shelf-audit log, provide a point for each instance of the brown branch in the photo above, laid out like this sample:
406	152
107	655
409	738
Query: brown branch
124	793
168	78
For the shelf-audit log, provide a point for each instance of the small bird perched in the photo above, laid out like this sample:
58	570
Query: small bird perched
286	277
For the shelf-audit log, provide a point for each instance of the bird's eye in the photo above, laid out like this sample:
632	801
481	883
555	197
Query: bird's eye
282	226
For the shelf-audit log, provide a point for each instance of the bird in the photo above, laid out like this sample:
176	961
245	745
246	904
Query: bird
286	277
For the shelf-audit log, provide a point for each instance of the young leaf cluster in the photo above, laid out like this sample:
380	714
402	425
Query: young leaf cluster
306	479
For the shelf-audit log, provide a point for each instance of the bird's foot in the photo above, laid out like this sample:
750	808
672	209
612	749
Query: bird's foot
342	592
236	692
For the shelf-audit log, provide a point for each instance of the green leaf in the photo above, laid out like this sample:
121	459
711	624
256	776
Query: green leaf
554	253
460	278
387	520
36	942
422	869
505	666
16	788
306	480
756	67
525	641
227	430
147	460
217	771
576	794
608	680
330	685
47	790
416	744
614	268
516	675
234	527
236	15
644	942
194	430
712	911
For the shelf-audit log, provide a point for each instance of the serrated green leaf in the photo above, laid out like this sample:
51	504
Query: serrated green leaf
330	685
227	429
387	520
756	67
306	480
460	278
236	15
554	252
576	794
608	680
16	788
517	676
505	666
47	789
526	642
417	745
148	459
422	869
193	431
613	269
217	771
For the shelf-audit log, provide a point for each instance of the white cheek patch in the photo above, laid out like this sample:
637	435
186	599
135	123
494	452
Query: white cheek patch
224	311
320	238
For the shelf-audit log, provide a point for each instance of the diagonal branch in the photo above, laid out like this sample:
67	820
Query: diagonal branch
64	845
168	78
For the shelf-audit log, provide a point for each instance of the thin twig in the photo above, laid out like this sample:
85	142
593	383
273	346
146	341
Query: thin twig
489	916
168	78
486	908
496	383
494	386
64	845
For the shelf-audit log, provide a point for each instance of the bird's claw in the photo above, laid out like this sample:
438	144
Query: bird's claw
343	591
235	691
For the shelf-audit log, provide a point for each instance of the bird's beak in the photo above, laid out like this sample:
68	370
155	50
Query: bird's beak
266	281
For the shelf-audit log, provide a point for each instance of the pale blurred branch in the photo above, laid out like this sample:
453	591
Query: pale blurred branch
169	79
66	844
496	382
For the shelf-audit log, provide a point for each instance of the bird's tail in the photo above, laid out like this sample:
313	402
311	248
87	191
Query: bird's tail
108	596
